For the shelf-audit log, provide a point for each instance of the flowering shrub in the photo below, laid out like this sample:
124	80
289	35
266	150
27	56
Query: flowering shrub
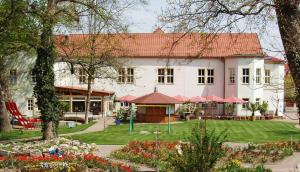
65	163
147	152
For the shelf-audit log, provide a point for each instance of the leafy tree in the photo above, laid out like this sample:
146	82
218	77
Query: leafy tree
224	15
263	108
200	153
289	88
17	35
253	107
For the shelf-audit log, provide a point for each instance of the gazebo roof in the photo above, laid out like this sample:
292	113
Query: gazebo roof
155	98
126	98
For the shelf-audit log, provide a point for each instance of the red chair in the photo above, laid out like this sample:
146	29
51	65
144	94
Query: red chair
13	109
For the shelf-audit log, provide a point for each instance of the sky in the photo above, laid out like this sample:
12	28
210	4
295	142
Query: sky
145	19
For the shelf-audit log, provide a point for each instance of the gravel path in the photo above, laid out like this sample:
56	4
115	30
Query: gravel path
289	164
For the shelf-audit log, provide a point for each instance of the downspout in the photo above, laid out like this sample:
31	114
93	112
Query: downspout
224	88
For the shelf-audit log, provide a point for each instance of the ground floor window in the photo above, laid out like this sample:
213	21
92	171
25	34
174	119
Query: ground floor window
30	103
95	107
78	106
244	106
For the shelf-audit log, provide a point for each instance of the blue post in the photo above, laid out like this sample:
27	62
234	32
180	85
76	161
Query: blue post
169	126
131	120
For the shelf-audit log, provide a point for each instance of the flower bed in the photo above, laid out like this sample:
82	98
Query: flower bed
149	153
67	162
153	155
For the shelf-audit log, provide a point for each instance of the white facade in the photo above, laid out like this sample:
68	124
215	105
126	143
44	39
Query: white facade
185	80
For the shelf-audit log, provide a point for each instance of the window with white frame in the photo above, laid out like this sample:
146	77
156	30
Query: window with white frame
257	101
201	76
130	76
231	76
13	76
210	76
122	76
126	76
82	76
258	76
245	77
33	77
161	75
170	76
244	106
30	104
165	75
267	76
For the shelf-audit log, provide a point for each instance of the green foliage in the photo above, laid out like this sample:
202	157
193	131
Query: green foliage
263	108
121	114
200	153
289	88
229	108
235	166
253	107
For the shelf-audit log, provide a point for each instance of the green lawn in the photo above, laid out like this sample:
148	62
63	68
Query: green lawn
238	131
18	134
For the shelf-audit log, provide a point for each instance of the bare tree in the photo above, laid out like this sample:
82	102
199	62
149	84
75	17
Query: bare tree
227	15
98	49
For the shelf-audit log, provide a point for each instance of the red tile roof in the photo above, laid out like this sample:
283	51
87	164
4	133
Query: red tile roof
160	44
155	99
270	59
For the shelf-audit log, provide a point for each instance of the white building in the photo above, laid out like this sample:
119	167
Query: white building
228	65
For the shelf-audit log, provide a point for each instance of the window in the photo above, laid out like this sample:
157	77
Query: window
165	76
33	77
126	76
30	104
258	76
201	76
210	76
231	76
170	76
244	106
130	75
82	76
13	76
267	76
161	76
257	101
246	76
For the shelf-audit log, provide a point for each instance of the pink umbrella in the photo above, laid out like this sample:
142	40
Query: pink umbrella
198	99
214	99
181	98
234	100
126	98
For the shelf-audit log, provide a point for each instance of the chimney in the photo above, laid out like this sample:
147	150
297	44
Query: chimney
159	31
155	89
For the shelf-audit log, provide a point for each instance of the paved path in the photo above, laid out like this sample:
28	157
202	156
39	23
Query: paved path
100	125
289	164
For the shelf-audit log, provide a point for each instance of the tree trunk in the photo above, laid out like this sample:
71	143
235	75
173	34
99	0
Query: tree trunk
44	89
288	16
5	124
88	100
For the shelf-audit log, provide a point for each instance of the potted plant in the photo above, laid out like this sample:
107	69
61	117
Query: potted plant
263	108
253	107
119	116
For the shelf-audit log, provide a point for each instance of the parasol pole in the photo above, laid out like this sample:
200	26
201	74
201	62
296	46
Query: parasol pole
169	126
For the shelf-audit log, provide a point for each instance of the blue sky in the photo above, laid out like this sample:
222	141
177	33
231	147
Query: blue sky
144	19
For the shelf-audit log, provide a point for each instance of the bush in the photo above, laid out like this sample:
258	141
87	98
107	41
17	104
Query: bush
200	153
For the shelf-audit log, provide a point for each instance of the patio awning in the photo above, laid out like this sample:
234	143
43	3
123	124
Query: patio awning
155	99
68	90
234	100
198	99
181	98
214	99
126	98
